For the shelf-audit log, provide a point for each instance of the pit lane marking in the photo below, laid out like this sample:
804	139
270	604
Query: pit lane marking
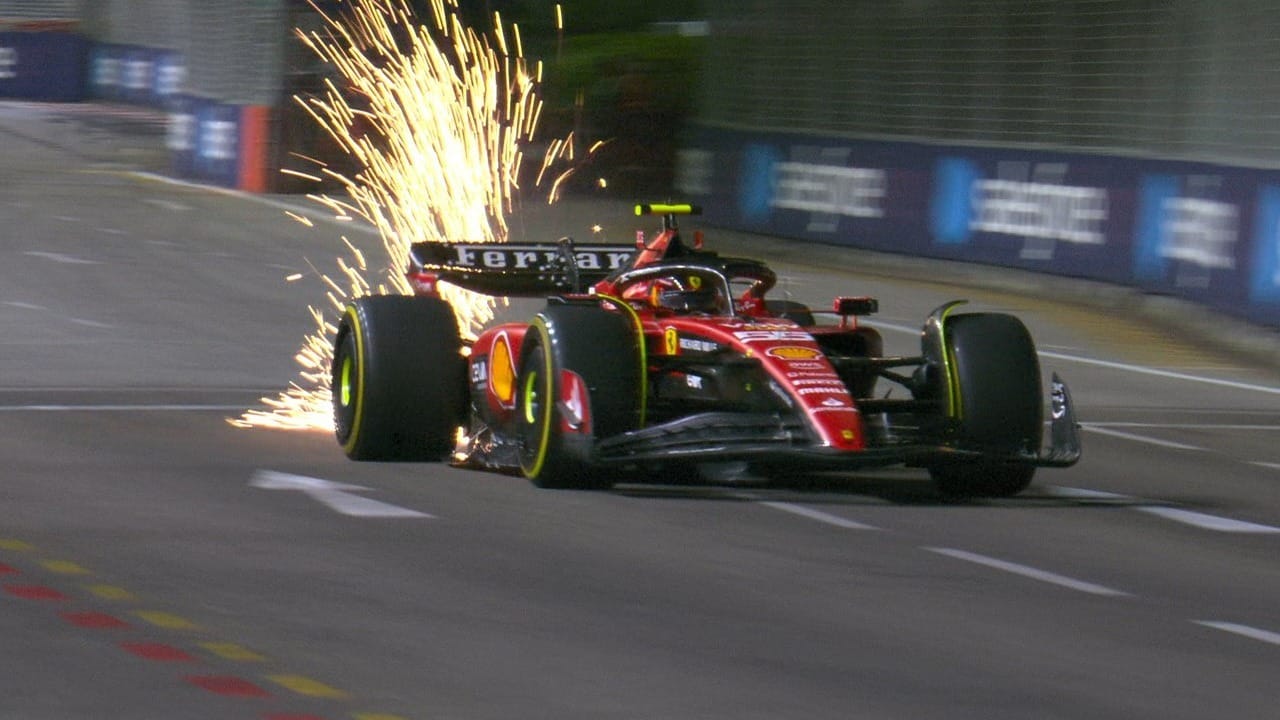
1028	572
1200	520
1265	636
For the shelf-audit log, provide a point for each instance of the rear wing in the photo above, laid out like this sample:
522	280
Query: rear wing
510	269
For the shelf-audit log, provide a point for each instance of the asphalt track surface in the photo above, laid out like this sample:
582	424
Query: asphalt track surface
146	573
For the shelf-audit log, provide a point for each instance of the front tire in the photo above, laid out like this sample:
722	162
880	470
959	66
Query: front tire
397	379
996	405
581	379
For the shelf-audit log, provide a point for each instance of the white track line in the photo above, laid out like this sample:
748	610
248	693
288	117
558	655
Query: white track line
1209	522
805	512
1180	426
1140	369
815	515
60	258
1028	572
1140	438
1186	517
1265	636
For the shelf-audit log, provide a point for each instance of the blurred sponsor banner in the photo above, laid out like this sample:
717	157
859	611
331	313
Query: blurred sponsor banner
1203	232
135	75
47	66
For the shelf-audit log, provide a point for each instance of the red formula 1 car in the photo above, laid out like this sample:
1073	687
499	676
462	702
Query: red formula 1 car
650	360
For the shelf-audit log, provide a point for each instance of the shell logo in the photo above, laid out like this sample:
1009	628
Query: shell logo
502	372
794	352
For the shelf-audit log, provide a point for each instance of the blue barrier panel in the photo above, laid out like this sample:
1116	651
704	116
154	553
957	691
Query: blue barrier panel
1264	259
217	143
1199	231
45	66
106	71
169	79
137	75
180	137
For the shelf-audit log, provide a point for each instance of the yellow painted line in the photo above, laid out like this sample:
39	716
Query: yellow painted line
111	592
165	620
232	651
306	686
64	567
16	545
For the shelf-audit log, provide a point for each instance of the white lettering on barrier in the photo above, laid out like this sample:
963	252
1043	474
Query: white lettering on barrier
1041	210
137	74
181	135
830	189
218	140
8	63
169	79
694	169
1200	232
106	72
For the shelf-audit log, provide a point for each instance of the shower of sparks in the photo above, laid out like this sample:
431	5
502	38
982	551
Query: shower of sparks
435	115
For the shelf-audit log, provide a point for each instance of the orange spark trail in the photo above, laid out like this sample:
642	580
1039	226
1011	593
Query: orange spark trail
436	117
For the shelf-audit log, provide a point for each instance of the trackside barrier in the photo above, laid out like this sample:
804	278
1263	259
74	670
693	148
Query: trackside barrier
208	141
1204	232
227	145
46	66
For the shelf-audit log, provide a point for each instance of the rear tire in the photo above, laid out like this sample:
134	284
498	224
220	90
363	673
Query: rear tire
998	404
398	379
565	343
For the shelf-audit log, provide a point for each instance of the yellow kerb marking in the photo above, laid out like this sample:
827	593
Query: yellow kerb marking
165	620
111	592
306	686
16	545
64	567
232	651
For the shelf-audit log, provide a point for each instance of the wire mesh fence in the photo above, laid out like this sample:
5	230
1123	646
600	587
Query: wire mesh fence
233	49
1197	79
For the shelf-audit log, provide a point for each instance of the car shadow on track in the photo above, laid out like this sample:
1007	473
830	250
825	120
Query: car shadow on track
908	488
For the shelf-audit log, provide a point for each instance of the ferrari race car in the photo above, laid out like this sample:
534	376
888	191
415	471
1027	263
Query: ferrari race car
651	360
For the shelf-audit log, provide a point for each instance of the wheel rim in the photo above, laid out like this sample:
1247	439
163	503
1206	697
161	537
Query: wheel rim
344	385
534	421
345	389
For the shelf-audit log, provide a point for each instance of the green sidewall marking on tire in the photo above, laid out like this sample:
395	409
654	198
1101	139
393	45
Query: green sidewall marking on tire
548	401
357	418
345	392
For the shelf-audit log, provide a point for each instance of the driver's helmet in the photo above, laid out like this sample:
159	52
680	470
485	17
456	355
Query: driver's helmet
688	295
705	300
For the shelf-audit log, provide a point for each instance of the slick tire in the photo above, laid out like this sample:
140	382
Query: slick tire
595	352
398	379
998	404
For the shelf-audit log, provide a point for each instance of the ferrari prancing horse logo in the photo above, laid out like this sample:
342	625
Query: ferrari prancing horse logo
671	339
